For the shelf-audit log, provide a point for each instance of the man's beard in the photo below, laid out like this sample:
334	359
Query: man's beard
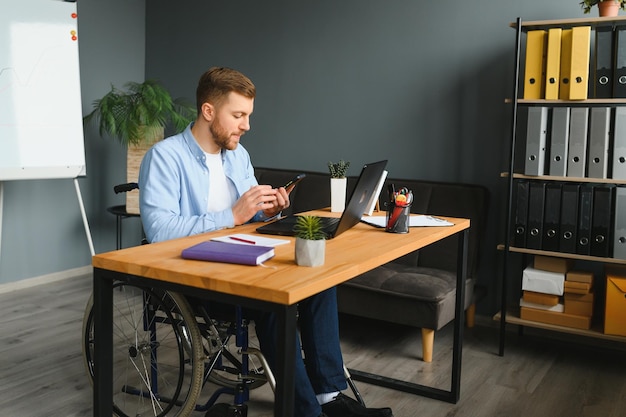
221	137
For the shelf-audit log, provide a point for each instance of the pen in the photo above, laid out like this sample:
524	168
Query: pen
238	239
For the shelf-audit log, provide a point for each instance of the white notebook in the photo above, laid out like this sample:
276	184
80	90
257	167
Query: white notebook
416	220
244	239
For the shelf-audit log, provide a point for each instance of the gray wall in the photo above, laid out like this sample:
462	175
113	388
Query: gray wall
419	83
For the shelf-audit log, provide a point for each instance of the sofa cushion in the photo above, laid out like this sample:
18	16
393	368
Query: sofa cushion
415	296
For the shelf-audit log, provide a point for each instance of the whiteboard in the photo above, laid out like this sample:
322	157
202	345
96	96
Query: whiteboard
41	130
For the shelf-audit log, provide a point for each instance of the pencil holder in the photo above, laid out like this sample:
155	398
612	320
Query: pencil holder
398	218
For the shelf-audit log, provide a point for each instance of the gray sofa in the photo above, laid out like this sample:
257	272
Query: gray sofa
418	289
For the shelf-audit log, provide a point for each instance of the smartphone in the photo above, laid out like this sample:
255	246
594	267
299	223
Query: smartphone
292	182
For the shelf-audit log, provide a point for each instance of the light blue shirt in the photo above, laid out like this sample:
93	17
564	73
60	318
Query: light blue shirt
174	188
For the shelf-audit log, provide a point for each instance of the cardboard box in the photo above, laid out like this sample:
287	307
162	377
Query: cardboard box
615	307
543	281
551	264
579	276
560	319
540	298
576	287
579	304
558	308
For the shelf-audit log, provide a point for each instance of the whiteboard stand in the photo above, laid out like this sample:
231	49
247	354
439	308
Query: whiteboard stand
84	215
39	58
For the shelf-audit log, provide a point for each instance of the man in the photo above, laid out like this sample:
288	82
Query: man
201	180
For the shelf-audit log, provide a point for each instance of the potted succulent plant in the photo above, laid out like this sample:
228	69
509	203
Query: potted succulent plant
137	117
338	184
605	7
310	241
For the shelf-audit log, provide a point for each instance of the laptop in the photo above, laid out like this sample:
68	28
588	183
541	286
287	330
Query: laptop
357	205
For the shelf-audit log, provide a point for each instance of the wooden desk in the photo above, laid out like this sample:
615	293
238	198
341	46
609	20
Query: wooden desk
277	288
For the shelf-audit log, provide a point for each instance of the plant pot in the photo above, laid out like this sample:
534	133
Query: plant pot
338	194
608	8
134	156
310	252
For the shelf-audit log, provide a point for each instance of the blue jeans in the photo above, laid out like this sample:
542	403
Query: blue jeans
320	369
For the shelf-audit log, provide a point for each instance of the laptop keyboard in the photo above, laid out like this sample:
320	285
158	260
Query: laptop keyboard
329	224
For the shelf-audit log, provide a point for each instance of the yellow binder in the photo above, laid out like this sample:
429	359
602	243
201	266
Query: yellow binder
579	71
553	63
566	63
534	74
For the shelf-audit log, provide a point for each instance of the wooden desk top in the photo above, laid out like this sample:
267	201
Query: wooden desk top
282	281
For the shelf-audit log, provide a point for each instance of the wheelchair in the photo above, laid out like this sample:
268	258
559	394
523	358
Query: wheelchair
166	348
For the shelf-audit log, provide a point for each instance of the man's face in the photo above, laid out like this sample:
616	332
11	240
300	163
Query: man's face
232	120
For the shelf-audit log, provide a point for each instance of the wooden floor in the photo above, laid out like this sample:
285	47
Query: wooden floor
42	373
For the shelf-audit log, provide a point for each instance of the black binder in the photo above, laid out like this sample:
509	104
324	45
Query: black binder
585	210
536	192
521	214
552	217
603	74
569	217
602	221
619	229
619	79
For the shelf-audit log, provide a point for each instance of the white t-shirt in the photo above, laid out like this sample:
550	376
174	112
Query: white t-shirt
222	193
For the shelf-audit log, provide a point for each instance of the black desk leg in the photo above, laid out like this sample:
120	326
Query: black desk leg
453	395
459	315
284	372
103	348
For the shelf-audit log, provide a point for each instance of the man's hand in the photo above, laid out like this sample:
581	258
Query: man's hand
281	202
260	197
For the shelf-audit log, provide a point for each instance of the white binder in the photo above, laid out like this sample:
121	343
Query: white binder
536	140
598	156
559	141
577	151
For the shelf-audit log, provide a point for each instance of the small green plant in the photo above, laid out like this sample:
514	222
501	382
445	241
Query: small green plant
309	228
340	169
140	112
588	4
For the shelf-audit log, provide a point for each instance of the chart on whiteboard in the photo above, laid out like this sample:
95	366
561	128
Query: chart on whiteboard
41	132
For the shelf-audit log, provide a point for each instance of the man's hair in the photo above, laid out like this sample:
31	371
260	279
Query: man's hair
215	85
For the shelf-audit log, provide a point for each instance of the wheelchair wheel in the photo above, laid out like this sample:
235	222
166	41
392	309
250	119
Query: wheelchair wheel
157	352
226	363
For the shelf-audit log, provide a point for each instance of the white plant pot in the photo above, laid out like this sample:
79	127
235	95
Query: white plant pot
310	252
338	194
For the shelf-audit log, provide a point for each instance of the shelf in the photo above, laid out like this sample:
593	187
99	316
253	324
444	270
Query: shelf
565	179
563	23
564	255
569	103
512	317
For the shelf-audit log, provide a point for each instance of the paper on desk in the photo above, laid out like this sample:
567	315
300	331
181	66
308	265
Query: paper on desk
415	220
245	239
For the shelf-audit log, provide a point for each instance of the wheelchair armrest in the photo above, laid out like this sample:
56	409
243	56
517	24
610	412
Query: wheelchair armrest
123	188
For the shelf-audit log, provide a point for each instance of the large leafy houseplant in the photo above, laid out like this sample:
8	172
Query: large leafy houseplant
139	113
137	117
310	241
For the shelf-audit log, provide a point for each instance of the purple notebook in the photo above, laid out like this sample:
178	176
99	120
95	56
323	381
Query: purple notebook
233	253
